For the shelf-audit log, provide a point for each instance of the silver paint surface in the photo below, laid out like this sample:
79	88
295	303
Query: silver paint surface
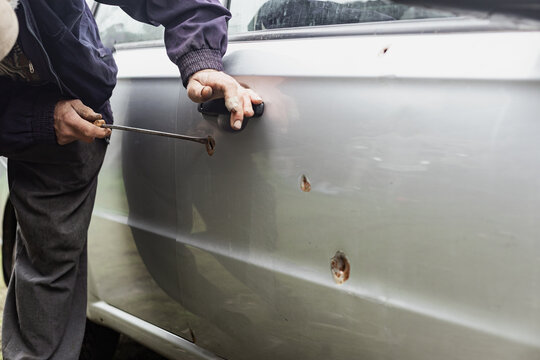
423	164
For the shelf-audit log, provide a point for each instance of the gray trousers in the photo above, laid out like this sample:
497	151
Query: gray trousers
52	189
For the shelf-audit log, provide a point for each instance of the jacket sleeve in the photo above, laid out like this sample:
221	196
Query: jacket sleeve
26	115
195	30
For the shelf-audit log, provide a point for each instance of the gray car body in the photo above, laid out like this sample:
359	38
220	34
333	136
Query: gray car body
419	140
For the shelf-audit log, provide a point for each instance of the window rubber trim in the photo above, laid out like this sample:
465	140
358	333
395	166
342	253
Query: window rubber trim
406	27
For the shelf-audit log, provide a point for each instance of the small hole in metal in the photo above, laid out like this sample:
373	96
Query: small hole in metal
305	185
211	146
340	267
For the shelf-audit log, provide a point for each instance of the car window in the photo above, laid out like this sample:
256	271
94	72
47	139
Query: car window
116	27
254	15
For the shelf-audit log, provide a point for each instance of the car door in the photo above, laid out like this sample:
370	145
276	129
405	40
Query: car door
385	204
132	235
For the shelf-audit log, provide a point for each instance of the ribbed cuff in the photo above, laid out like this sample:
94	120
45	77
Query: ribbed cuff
43	119
198	60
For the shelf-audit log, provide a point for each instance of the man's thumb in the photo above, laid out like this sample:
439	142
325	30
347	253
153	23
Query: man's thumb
198	92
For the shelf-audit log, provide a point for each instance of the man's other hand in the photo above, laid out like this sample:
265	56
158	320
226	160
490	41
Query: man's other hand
74	121
209	84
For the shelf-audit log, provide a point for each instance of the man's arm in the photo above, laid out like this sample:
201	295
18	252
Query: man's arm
195	30
196	40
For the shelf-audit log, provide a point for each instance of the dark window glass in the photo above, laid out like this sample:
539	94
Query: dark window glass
253	15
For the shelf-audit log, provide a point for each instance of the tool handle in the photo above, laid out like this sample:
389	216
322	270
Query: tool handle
217	107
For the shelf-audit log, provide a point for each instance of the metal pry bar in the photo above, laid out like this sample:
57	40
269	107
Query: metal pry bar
208	141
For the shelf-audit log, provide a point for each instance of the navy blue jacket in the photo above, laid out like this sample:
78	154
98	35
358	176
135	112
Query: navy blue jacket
61	40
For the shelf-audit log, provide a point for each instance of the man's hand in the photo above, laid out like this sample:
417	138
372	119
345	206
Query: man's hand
74	121
209	84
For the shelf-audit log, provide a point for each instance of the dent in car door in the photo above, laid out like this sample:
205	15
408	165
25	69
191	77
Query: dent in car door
418	156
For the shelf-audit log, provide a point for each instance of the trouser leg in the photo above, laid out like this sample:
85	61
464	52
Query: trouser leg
52	190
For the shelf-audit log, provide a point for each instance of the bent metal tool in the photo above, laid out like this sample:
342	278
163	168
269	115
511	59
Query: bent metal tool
213	108
207	141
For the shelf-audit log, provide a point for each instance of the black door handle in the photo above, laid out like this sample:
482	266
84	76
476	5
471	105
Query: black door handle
217	107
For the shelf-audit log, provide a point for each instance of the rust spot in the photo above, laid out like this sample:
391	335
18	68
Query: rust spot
340	267
305	184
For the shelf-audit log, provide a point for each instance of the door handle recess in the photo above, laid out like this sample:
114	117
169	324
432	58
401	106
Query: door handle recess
217	107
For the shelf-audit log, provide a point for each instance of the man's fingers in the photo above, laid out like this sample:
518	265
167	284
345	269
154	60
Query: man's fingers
237	119
248	107
233	103
255	98
84	111
242	107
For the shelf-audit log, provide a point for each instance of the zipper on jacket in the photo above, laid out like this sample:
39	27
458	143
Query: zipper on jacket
46	56
31	67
